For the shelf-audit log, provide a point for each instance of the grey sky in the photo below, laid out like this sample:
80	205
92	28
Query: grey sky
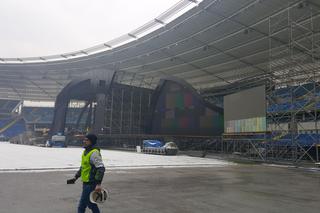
47	27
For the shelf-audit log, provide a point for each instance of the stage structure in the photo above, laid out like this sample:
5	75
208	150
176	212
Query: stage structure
125	108
89	88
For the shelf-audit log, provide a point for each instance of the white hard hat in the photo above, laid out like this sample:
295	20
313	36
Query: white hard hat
99	197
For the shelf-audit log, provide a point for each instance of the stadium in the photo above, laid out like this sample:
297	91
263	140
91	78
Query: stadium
218	78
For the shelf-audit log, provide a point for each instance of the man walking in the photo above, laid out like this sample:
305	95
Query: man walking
91	172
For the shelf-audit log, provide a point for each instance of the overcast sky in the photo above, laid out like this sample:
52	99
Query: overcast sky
47	27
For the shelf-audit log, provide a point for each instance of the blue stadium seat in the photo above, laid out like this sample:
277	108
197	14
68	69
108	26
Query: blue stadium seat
44	115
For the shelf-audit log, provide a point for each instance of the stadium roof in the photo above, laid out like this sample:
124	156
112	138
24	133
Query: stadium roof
214	44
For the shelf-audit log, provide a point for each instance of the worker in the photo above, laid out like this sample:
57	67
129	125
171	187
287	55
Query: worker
91	172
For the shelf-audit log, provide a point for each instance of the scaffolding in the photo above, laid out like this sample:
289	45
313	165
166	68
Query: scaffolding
293	62
292	92
127	104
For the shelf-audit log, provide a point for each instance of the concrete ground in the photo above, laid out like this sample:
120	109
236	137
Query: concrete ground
239	188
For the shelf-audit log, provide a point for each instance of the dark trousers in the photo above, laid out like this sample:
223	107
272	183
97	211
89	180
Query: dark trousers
85	199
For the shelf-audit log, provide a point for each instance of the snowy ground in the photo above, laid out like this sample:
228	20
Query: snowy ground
31	158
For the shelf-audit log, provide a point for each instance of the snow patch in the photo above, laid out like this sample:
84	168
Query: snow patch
24	158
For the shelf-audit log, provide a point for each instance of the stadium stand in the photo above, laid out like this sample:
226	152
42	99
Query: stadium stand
304	97
284	139
8	106
44	115
303	140
18	127
12	126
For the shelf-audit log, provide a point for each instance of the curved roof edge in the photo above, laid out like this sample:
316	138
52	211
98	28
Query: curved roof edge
162	20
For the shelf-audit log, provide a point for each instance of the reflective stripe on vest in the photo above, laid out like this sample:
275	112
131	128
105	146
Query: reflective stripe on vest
86	166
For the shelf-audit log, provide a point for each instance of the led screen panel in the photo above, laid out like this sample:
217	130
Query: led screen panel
245	111
180	111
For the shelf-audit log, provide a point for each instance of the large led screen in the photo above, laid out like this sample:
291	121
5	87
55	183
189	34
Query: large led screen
245	111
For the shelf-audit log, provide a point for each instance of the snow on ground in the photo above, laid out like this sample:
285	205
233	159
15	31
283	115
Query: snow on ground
23	157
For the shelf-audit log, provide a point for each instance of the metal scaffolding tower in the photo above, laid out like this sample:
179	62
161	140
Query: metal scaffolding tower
127	105
293	60
292	92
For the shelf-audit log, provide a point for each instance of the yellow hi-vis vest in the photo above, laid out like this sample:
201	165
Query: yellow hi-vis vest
86	166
